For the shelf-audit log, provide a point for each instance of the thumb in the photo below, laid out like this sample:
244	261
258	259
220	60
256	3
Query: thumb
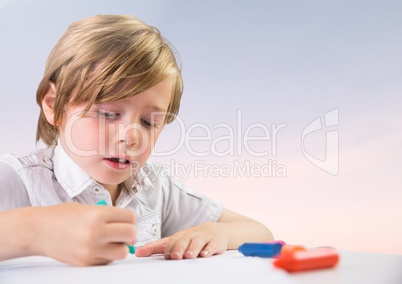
151	248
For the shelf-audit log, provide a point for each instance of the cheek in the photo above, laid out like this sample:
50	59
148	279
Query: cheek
152	138
83	133
147	140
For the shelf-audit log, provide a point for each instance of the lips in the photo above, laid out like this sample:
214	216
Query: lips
119	160
117	163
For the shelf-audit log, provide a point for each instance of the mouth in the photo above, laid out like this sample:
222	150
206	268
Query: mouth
118	160
118	163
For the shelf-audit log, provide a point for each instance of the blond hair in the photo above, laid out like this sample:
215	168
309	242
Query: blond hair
120	48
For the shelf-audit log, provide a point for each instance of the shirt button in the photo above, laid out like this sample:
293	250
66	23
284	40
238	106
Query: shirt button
96	189
154	229
136	188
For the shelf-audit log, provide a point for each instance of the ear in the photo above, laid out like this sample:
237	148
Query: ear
48	101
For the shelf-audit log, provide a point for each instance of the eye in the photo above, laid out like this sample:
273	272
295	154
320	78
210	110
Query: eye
109	114
148	123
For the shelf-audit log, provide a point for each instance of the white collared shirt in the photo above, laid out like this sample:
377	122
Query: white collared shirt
163	206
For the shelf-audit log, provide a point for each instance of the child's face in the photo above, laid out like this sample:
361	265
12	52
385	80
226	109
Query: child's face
111	137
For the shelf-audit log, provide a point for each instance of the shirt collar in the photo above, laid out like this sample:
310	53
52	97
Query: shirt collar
71	177
75	180
139	181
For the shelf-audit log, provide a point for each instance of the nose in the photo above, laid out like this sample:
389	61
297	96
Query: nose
130	135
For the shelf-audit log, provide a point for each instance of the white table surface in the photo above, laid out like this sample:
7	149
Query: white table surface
231	267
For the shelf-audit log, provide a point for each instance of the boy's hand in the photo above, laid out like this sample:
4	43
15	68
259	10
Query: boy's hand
82	234
204	240
231	230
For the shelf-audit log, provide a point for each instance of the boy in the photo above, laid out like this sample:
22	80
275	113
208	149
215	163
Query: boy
110	85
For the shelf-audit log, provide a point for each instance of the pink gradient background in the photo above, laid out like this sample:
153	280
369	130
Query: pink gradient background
278	63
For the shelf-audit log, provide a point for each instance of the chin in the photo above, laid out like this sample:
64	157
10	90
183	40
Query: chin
110	180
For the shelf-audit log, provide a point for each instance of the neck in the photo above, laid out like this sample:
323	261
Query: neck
114	191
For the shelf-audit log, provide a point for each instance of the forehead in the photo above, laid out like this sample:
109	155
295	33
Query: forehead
161	95
131	87
156	98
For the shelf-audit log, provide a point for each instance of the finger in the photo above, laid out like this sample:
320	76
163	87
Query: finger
101	255
119	232
212	248
113	251
151	248
113	214
195	247
177	246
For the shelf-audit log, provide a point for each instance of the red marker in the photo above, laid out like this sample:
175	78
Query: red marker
297	258
292	248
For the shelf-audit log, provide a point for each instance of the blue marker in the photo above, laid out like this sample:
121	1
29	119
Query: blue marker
260	249
130	248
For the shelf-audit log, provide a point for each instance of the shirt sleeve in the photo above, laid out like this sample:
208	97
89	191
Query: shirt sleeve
184	208
13	193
